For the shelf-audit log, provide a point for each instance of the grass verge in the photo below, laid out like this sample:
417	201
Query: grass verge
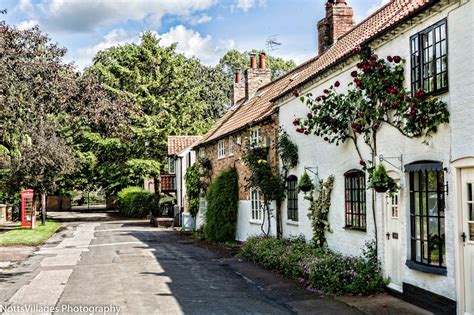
28	236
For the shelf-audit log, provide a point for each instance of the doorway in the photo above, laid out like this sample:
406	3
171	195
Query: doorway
393	255
467	237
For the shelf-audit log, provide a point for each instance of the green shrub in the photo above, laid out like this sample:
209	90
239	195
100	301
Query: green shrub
222	206
324	270
136	202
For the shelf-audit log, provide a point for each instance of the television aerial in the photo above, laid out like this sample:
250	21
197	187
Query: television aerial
272	43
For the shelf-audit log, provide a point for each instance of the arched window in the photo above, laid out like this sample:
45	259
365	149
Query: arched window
355	200
292	198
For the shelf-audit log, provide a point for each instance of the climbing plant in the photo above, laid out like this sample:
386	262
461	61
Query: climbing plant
376	96
193	188
320	202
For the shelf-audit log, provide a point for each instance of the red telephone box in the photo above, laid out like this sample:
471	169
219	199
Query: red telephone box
28	211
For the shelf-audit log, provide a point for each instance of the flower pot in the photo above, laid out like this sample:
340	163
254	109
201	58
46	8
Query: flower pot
306	188
381	189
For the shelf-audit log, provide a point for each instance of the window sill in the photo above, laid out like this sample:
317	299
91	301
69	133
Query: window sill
292	222
354	229
256	222
221	158
426	269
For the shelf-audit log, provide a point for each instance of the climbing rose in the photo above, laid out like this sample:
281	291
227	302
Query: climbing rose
389	58
397	59
357	49
295	93
310	116
296	122
337	84
354	74
306	132
362	162
326	139
326	91
420	94
318	98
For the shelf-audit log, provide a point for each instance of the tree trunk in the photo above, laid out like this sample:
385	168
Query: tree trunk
156	185
43	208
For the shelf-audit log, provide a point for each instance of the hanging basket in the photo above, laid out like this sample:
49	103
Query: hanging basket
381	189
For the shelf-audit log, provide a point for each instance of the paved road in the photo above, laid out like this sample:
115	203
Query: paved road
144	270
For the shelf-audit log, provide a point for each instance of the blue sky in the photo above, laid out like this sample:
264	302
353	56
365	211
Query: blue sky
205	29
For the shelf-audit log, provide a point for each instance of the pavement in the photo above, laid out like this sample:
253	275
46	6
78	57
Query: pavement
108	265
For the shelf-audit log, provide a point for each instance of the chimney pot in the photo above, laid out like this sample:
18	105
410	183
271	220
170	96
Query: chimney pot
237	76
253	61
261	63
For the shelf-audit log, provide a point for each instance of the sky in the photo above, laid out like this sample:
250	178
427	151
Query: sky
205	29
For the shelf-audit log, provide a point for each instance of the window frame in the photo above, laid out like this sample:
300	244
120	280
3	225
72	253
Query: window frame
355	190
171	165
256	211
231	146
254	138
418	63
221	150
441	207
292	198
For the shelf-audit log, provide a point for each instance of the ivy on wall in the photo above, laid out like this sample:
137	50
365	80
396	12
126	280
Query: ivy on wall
320	203
193	188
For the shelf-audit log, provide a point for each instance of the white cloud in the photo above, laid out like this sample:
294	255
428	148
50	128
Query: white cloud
201	19
83	56
189	42
25	6
26	25
246	5
86	15
192	44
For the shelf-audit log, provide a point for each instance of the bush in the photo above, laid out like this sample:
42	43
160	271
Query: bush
193	188
222	206
136	202
324	270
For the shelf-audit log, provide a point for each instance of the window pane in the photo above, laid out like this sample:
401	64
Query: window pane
433	204
417	228
469	192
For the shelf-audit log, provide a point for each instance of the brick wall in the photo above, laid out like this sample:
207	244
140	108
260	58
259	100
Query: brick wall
268	129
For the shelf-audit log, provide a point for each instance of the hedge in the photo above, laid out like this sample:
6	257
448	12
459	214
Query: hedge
222	206
136	202
325	271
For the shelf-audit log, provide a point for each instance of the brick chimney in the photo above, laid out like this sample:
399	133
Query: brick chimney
255	77
238	90
338	21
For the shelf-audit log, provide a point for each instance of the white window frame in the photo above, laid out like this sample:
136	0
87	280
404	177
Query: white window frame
254	138
231	146
221	149
171	165
256	211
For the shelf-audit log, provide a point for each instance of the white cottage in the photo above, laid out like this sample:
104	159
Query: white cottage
437	179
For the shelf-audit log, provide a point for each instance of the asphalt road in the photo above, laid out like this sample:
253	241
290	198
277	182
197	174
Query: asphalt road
133	268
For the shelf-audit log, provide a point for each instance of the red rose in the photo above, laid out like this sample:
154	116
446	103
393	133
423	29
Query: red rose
318	98
306	132
354	73
408	98
326	139
362	162
387	85
310	116
397	59
324	97
384	104
337	84
296	122
395	104
412	105
373	58
389	58
357	50
360	65
295	93
420	94
299	130
326	91
366	68
392	91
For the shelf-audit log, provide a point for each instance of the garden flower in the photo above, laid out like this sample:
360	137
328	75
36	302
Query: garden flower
337	84
354	73
310	116
397	59
295	93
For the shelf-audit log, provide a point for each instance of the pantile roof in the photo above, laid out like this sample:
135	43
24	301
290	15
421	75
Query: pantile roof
261	106
176	144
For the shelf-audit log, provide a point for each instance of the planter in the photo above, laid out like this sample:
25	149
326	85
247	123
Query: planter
381	189
306	188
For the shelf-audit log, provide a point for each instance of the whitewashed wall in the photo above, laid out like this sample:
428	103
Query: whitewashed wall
246	227
456	139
